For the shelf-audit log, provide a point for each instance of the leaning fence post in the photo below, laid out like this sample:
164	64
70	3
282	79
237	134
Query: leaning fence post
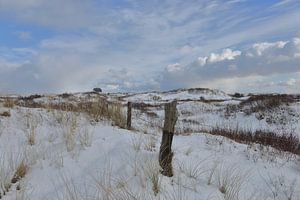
165	152
129	108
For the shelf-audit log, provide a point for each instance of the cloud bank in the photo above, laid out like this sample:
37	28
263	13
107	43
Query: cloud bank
261	59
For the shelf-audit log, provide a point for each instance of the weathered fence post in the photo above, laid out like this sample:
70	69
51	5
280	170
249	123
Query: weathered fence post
165	152
129	108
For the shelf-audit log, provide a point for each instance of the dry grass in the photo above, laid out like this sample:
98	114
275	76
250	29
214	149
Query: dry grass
69	127
152	172
30	128
2	128
281	187
4	176
12	169
9	102
230	181
97	108
194	170
85	137
137	142
21	193
69	191
150	143
178	191
5	114
117	115
20	173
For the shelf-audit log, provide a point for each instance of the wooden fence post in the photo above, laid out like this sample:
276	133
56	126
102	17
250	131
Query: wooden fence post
165	152
129	108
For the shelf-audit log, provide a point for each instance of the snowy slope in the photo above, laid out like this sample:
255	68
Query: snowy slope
183	94
73	158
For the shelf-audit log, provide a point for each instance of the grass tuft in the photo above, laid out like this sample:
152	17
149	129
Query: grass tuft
20	173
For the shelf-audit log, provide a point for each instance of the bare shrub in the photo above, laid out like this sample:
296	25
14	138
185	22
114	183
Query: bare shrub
230	110
284	142
264	102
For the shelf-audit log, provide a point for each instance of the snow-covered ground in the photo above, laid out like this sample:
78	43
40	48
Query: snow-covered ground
69	156
182	94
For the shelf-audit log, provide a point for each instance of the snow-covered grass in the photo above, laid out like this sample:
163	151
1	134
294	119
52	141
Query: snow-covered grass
48	153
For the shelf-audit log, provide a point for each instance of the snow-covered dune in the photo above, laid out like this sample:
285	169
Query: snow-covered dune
182	94
104	162
58	153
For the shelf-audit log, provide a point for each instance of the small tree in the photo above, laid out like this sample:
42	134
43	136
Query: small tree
97	90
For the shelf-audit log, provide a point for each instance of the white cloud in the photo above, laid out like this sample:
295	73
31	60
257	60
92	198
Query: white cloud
227	54
261	47
266	60
291	81
174	67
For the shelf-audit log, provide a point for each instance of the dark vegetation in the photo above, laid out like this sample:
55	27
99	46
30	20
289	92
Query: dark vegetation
97	90
237	95
65	95
284	142
261	103
5	114
31	97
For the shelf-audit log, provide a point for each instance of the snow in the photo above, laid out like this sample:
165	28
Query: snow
73	158
191	94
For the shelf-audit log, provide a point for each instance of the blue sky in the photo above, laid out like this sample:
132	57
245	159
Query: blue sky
133	45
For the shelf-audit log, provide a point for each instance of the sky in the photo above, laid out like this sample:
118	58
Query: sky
137	45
